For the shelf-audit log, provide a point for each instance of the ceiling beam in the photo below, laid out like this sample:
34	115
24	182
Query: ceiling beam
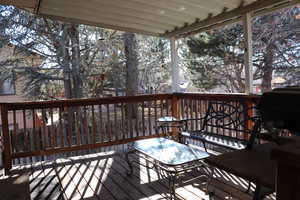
225	16
103	25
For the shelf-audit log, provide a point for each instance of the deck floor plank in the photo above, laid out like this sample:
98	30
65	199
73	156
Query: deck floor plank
103	176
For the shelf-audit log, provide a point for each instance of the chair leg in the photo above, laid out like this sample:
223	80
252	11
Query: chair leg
257	193
249	187
210	177
204	145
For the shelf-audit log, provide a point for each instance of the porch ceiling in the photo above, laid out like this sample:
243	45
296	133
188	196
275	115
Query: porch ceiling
166	18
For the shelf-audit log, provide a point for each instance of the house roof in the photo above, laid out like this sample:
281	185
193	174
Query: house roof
165	18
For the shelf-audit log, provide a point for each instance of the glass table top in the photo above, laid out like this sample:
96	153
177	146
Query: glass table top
168	151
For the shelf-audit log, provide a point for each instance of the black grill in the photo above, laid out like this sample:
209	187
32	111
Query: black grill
281	108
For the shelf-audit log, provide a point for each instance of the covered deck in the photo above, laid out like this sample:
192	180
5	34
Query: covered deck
73	149
56	156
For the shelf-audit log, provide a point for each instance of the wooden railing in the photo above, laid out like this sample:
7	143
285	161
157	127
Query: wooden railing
51	127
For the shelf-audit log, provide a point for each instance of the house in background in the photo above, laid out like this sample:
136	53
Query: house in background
12	85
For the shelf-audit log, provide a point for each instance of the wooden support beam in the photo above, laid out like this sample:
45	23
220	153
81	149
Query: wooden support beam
174	66
248	54
140	30
225	16
7	157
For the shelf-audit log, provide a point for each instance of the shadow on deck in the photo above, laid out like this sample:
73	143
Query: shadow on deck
103	176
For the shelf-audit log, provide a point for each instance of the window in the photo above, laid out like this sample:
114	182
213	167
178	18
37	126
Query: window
7	84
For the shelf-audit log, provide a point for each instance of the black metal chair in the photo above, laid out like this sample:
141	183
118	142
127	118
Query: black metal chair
221	121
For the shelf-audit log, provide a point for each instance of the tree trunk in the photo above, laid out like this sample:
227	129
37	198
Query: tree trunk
75	62
130	47
66	63
266	84
131	64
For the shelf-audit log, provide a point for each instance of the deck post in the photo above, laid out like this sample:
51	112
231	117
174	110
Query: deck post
175	113
249	113
174	65
248	54
7	159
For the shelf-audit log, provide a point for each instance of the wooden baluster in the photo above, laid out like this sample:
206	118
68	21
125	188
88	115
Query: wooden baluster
161	108
223	132
195	107
198	113
94	125
108	131
52	130
116	126
167	107
56	130
15	136
101	132
155	116
70	120
149	118
26	136
77	120
143	118
131	118
34	134
137	119
44	132
61	128
205	105
40	133
123	127
85	127
198	122
191	106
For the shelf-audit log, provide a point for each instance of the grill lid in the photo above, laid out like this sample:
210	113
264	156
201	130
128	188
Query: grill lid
281	108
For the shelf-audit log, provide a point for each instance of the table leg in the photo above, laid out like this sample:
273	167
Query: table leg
261	191
172	183
128	162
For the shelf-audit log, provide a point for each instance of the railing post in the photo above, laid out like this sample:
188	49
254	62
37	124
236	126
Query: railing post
175	112
175	106
248	123
7	159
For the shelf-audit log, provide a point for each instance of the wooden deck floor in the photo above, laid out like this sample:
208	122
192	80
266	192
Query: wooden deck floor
103	176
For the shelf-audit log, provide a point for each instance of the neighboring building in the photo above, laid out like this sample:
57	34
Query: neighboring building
11	85
277	82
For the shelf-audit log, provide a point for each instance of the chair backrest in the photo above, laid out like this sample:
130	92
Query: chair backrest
227	117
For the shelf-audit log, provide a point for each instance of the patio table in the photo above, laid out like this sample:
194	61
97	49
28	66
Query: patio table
169	158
